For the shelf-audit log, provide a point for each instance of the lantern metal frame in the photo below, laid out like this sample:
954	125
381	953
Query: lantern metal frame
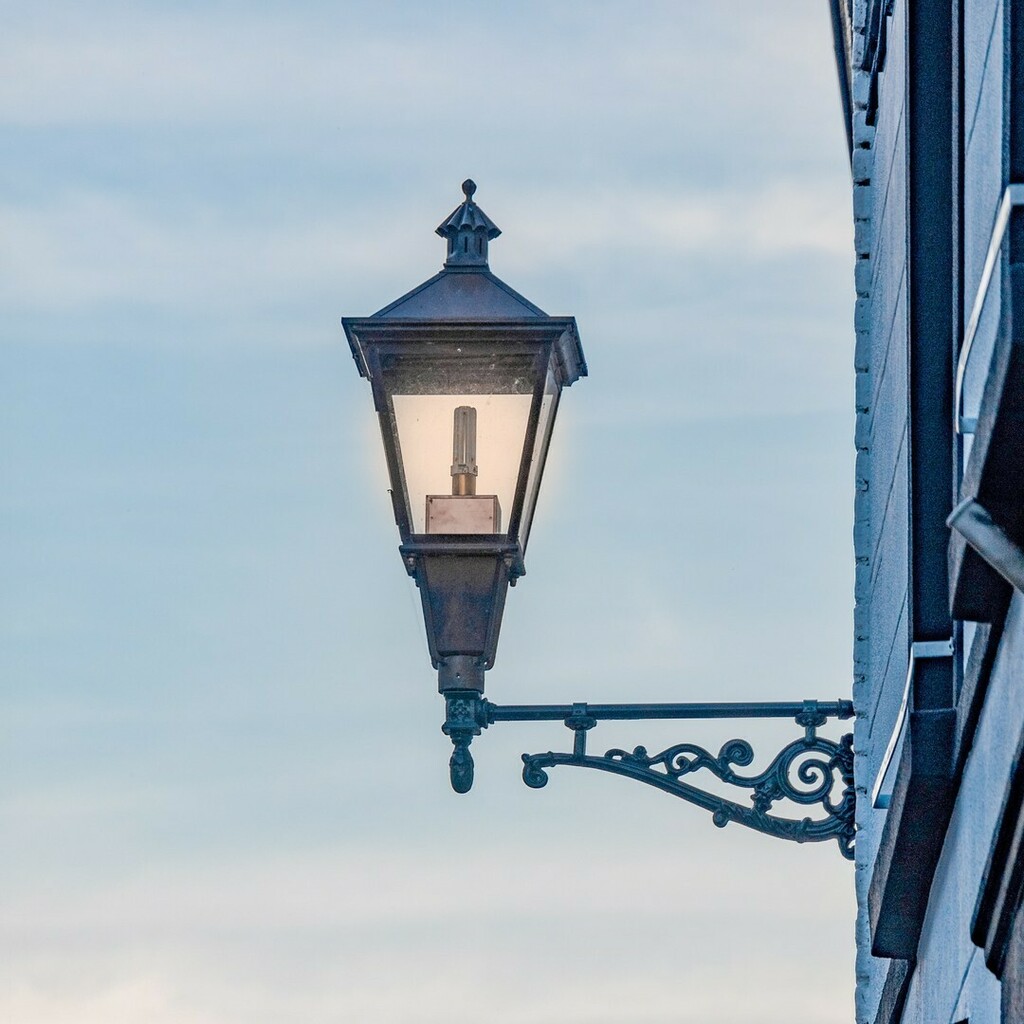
463	579
552	342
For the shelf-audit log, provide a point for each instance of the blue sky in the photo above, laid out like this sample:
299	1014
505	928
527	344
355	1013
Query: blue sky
222	782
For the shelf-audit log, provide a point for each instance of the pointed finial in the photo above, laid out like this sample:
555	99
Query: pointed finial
468	230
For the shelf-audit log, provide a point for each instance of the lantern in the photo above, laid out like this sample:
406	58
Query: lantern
466	376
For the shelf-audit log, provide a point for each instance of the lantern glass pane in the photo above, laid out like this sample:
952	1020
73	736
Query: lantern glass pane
425	426
460	418
545	423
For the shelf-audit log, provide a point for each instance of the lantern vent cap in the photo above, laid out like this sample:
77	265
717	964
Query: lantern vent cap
468	230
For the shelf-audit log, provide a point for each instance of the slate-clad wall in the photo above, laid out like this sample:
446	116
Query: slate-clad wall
880	530
950	981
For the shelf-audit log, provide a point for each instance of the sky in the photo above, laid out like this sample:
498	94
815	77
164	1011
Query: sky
223	787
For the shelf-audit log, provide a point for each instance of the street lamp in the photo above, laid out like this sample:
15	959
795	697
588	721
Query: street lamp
466	376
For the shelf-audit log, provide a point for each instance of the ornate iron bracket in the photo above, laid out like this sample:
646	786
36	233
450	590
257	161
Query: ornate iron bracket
808	771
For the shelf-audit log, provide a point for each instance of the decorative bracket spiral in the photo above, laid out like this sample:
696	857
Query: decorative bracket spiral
810	771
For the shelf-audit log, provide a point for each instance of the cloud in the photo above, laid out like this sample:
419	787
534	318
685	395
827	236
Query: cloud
776	218
115	63
373	935
87	248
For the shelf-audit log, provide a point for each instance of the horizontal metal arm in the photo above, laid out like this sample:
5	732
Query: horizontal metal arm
635	712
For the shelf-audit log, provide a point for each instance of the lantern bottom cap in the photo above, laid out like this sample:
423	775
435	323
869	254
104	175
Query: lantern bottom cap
460	672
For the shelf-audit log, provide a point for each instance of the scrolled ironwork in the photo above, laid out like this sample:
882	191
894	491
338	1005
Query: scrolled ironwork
806	772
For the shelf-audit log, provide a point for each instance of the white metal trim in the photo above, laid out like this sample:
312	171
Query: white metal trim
919	650
1013	196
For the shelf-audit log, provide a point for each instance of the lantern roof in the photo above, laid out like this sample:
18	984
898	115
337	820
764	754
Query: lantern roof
465	289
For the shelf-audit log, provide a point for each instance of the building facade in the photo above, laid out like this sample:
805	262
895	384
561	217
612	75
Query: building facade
933	93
